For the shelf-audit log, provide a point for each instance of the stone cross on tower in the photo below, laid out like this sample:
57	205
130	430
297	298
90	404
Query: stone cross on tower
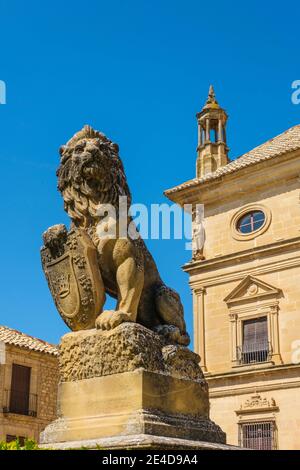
212	149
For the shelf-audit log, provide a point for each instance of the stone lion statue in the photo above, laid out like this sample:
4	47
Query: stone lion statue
91	173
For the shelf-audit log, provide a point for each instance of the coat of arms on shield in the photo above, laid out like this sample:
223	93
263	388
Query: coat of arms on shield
69	261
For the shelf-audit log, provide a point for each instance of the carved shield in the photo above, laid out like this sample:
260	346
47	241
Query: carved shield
70	264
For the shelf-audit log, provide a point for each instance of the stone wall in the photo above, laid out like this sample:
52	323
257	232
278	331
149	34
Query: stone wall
48	383
282	391
248	276
282	201
43	383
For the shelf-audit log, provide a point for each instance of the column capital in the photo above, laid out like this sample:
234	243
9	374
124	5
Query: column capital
233	316
199	290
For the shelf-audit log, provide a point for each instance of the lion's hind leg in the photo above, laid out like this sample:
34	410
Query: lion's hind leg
170	310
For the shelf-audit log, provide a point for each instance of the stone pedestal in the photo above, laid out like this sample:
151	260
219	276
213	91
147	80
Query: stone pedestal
127	387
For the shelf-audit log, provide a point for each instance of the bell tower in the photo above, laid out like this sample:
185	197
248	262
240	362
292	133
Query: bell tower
212	150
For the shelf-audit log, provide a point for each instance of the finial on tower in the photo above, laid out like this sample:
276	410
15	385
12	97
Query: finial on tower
212	147
211	101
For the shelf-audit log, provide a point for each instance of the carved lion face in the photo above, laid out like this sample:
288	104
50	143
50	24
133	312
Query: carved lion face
89	162
90	173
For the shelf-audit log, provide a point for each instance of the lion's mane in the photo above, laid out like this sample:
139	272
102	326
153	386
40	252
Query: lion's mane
90	173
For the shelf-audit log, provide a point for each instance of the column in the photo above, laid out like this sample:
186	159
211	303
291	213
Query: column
274	334
199	325
224	135
200	135
233	337
207	136
220	133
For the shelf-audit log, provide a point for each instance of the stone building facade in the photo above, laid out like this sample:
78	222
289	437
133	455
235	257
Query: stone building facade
28	385
245	282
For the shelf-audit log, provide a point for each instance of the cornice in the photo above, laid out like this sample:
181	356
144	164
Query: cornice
238	275
233	391
255	373
253	177
250	254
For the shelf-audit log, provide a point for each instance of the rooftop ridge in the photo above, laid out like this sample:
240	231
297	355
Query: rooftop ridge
267	142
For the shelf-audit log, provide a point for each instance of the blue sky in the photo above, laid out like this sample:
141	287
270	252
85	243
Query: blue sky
138	70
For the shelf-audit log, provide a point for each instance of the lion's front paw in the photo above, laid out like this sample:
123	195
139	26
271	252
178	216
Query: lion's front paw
109	319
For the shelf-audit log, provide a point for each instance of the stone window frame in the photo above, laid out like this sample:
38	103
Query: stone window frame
237	316
237	235
23	357
261	410
261	419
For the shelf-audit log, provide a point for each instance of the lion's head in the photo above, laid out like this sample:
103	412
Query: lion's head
90	173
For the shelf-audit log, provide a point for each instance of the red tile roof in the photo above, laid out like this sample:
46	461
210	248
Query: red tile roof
16	338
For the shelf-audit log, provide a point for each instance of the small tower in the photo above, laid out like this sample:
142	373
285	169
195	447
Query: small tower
212	150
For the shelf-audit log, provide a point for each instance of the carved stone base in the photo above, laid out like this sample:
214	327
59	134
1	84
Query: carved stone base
139	442
128	382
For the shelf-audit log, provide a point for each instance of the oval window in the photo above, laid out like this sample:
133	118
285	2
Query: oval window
251	222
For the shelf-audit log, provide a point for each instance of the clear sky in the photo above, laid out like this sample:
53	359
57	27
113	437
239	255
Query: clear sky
138	70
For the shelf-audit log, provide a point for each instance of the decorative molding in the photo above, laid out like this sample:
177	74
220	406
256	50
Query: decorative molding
250	289
250	299
263	308
200	290
226	385
248	255
233	392
256	403
233	316
239	275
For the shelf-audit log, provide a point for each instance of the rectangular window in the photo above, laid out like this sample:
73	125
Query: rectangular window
258	436
255	346
20	389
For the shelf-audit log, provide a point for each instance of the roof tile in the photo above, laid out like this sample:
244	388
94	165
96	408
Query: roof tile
16	338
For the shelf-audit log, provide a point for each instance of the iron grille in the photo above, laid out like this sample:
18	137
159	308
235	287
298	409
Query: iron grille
258	435
255	352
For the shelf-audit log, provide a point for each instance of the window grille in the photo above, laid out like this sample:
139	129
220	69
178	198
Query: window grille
258	435
255	347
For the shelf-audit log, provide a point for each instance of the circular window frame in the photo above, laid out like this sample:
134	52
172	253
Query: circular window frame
237	235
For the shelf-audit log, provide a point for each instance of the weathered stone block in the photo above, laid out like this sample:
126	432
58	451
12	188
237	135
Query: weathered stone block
130	346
